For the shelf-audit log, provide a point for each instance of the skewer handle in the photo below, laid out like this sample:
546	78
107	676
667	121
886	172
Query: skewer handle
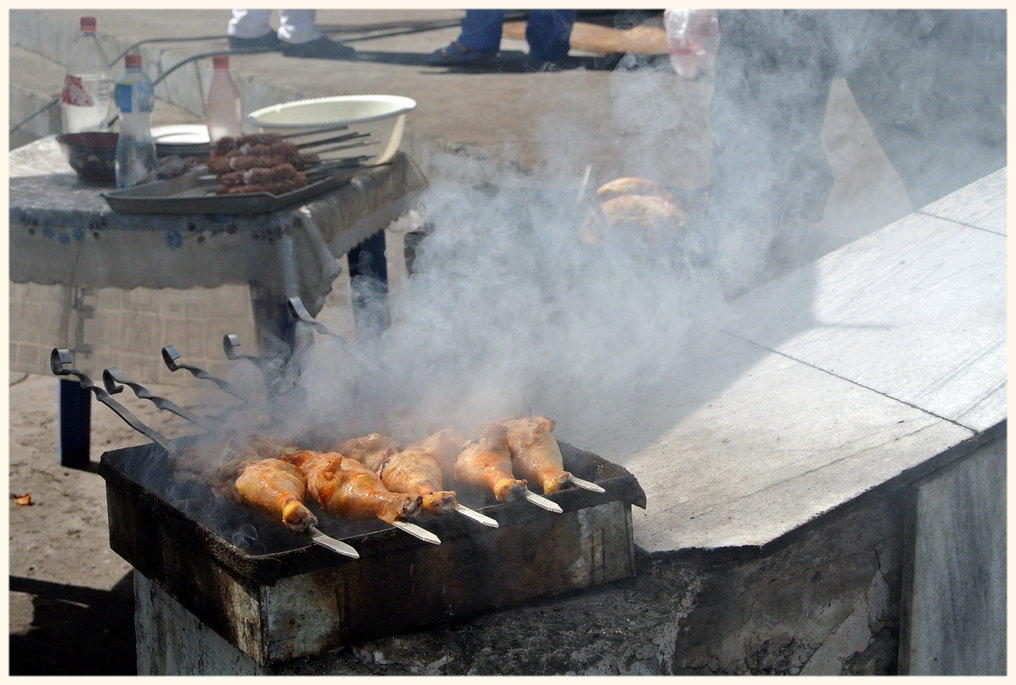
328	542
417	532
542	502
586	485
475	516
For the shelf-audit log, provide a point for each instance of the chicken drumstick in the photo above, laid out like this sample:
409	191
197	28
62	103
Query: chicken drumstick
487	463
347	488
536	455
276	489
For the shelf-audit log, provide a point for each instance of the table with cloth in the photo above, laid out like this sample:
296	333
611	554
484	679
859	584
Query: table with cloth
64	235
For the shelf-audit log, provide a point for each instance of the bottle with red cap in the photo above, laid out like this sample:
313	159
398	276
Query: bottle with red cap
88	85
135	148
224	106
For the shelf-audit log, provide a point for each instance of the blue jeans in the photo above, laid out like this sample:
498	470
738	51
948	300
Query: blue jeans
547	32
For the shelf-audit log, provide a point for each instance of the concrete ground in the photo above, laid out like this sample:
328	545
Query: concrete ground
71	598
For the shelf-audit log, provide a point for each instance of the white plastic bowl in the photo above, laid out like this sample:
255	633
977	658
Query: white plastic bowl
382	117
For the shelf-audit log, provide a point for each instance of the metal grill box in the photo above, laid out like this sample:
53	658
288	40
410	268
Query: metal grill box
276	597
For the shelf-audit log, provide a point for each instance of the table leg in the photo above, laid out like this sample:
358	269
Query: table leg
75	423
368	260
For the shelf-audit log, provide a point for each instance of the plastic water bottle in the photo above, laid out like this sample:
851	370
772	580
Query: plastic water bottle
224	107
135	148
692	39
88	85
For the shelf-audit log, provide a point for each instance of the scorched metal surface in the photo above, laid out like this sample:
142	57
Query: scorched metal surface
276	597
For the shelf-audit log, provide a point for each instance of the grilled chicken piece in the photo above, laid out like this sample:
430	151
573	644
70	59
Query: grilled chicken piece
443	446
636	204
409	470
347	488
536	455
487	463
372	449
276	489
416	471
633	185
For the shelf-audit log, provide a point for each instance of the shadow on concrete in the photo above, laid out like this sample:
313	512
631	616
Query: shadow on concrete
507	62
75	630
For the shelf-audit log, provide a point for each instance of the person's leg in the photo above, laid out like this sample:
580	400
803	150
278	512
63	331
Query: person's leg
301	37
548	33
932	87
481	30
297	26
479	40
769	174
249	23
250	30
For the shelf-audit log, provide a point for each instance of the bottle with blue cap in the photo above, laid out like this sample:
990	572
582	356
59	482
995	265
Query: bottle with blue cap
134	95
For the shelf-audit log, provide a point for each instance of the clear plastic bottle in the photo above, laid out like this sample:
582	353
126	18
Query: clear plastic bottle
224	107
135	148
88	85
692	39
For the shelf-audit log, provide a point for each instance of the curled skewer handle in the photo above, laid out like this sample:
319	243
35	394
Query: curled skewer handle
475	516
299	312
230	343
60	361
274	372
417	532
172	359
328	542
115	381
542	502
586	485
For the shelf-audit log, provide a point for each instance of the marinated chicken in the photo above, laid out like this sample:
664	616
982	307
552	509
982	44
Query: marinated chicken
487	464
536	456
347	488
276	489
443	446
409	470
372	449
637	205
417	471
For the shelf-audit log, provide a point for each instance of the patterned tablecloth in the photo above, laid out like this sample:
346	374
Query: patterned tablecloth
63	233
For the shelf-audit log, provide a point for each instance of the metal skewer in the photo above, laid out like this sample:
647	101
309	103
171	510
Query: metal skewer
585	484
416	531
299	312
115	381
328	542
542	502
475	515
314	132
172	359
347	147
60	360
276	374
333	139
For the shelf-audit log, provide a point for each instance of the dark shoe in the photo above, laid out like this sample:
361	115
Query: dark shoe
321	48
457	54
264	43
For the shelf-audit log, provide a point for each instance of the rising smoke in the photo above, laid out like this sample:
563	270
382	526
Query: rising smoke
508	313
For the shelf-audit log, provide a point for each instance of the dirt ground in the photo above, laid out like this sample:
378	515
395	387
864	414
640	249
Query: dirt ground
70	594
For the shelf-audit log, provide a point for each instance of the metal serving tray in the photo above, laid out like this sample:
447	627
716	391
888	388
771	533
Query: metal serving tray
192	194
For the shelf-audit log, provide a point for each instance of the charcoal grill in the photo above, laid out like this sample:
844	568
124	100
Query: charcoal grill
275	597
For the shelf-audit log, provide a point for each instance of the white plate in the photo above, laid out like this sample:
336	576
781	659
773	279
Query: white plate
181	134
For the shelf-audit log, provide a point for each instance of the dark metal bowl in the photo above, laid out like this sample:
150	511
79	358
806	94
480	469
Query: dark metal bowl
92	154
